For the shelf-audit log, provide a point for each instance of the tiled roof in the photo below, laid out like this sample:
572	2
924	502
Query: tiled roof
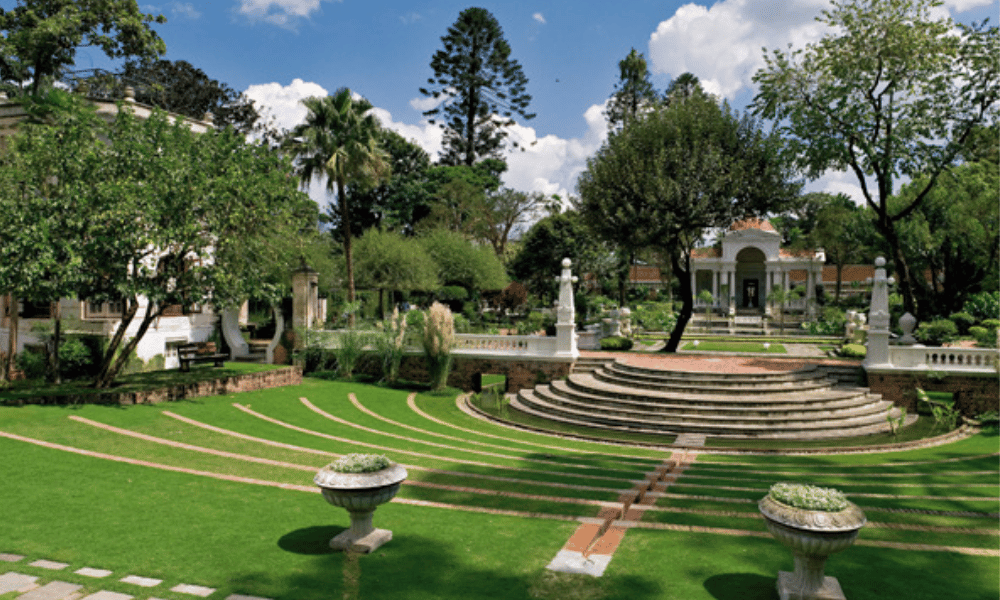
645	274
706	253
753	223
851	273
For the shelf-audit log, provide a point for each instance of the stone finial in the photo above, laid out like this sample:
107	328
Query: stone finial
208	118
129	93
907	323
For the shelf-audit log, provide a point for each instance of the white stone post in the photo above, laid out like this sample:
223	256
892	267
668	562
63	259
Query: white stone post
715	288
878	320
565	314
305	296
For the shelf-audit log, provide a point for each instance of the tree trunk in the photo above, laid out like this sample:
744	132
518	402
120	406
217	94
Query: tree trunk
904	278
102	379
130	346
840	270
56	311
684	279
14	321
345	220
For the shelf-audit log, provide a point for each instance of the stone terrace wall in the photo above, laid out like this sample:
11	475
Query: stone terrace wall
521	373
974	394
216	387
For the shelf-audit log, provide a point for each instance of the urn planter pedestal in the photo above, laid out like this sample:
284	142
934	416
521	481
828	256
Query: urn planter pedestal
812	535
360	494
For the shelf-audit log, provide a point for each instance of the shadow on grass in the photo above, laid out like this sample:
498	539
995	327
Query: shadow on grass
741	586
415	567
310	540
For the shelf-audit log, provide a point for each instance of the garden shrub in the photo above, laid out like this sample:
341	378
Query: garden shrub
983	306
993	324
513	296
76	359
985	338
532	323
854	351
831	322
963	321
31	363
349	350
655	316
390	343
936	333
616	343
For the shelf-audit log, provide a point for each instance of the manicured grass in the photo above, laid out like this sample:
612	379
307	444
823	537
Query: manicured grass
262	540
720	346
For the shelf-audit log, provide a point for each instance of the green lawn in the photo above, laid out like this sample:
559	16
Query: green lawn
503	502
721	346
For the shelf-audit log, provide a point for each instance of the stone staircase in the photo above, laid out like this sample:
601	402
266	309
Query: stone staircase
808	403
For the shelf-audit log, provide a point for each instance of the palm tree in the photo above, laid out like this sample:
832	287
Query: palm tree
338	140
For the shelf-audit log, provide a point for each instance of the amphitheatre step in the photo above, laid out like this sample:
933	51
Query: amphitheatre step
846	415
827	404
801	403
814	430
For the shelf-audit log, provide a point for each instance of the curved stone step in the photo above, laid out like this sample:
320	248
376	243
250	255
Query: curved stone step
706	386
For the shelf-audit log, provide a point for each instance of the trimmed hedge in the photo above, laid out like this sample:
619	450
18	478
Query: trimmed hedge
616	343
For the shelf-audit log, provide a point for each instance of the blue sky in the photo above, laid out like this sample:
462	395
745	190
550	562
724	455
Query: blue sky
279	51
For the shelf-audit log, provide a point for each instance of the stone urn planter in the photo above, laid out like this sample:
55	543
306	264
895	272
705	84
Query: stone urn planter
360	493
812	535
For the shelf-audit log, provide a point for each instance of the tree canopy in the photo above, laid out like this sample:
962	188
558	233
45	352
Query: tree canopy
479	86
669	175
891	92
634	92
40	37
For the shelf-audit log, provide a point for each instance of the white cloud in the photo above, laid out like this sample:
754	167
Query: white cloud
539	17
184	9
722	45
410	17
427	103
278	12
839	182
427	136
283	103
550	164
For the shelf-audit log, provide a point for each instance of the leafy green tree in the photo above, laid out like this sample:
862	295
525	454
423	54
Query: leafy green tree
634	92
460	262
40	37
339	141
458	192
389	261
480	87
954	236
836	231
539	258
41	221
668	176
892	92
396	204
500	213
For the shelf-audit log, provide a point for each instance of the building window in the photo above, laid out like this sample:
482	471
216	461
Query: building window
104	310
36	310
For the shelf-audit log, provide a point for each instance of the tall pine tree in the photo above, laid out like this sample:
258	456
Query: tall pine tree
480	88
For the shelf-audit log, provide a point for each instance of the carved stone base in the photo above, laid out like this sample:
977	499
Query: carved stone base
791	589
349	541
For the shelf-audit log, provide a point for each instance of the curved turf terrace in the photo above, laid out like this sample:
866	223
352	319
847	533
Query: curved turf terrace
219	491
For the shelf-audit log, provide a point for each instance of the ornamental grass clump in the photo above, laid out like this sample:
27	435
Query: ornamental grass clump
809	497
360	463
438	341
390	343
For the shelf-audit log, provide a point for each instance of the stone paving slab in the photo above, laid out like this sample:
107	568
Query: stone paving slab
194	590
49	564
106	595
15	582
567	561
54	590
89	572
141	581
5	557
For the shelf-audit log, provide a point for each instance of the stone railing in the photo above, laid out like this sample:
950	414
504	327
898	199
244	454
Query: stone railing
508	345
974	360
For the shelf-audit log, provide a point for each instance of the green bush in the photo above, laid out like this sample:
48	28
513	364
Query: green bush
532	323
75	359
616	343
983	306
32	364
936	333
985	338
831	322
963	321
655	316
854	351
993	324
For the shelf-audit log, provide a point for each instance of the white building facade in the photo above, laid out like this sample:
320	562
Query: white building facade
748	265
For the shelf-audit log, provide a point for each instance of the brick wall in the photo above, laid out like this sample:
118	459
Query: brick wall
464	370
974	395
224	385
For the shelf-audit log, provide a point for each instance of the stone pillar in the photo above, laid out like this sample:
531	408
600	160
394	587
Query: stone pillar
878	320
305	297
715	286
565	314
810	292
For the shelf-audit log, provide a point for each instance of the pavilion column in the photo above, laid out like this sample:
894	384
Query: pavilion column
715	285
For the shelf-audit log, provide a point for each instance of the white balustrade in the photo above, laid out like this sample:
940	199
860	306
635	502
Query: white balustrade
509	345
978	360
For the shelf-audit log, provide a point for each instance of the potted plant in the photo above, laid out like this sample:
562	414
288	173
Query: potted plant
813	522
360	483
